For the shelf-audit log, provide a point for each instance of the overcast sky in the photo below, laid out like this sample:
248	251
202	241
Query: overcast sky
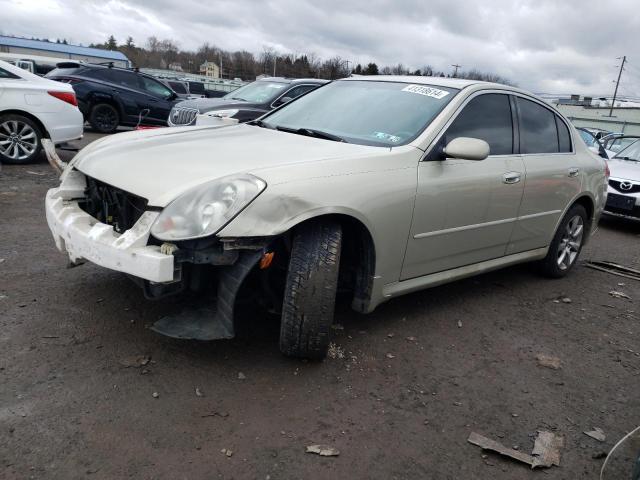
548	46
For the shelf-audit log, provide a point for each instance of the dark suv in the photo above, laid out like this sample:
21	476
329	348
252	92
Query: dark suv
110	96
246	103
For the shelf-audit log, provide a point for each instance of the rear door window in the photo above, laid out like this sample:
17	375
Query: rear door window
564	139
487	117
538	130
4	74
155	88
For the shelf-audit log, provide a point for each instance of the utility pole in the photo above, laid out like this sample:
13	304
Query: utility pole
275	59
455	72
615	93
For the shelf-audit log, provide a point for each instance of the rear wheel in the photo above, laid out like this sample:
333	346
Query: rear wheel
19	139
104	118
310	291
566	244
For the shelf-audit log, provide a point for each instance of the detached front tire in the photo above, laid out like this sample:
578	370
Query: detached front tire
310	290
566	244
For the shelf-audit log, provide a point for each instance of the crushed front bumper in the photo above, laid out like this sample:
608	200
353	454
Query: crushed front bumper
82	237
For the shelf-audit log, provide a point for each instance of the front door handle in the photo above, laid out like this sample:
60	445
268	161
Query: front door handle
574	171
511	177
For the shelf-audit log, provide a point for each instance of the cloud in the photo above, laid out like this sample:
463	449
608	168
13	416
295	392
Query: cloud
543	45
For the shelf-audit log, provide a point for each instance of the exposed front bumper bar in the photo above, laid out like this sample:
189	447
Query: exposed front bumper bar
82	237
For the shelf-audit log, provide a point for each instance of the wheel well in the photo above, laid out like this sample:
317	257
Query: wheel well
588	205
357	260
96	100
35	119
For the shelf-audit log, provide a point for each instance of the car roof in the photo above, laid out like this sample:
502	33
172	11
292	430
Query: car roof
459	83
319	81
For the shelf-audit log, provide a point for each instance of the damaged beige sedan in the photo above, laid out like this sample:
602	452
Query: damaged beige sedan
371	187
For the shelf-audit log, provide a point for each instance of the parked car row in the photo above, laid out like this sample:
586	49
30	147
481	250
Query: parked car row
244	104
623	154
374	186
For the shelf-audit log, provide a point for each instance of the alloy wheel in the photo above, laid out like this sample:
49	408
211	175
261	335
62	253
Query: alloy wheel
106	118
18	140
571	242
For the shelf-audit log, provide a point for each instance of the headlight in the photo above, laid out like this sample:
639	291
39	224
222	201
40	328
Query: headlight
222	113
204	210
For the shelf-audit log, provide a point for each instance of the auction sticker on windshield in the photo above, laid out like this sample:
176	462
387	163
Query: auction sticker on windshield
427	91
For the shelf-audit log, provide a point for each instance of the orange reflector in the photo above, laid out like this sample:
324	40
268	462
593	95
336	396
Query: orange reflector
266	260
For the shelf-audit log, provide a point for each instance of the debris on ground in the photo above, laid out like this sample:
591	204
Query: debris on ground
597	433
199	392
323	450
411	339
615	269
459	323
598	455
616	294
135	361
215	414
562	300
488	444
335	351
391	335
227	452
548	361
241	376
337	326
390	355
546	450
155	395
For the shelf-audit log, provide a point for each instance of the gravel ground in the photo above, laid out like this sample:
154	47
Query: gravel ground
88	391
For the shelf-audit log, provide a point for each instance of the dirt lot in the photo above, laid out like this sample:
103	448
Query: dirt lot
76	403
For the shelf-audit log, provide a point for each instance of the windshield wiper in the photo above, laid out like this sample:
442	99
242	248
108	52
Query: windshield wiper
260	123
311	132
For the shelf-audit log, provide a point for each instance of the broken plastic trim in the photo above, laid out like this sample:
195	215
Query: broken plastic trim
207	323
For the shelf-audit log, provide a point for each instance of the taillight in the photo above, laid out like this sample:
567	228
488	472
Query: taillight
607	172
68	97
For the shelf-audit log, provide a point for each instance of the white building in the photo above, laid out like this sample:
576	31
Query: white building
210	70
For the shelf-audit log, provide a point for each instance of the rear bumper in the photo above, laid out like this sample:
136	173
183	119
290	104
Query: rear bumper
82	237
63	126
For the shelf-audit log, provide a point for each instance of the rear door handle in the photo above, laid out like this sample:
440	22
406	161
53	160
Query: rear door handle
574	171
511	177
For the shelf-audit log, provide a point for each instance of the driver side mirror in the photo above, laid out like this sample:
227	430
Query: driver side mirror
466	148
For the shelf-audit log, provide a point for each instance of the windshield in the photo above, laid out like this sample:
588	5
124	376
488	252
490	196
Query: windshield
632	152
365	112
257	92
617	144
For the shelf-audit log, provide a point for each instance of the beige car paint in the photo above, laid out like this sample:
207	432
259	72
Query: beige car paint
466	218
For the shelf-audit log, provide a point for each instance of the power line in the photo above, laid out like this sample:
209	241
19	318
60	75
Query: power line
615	92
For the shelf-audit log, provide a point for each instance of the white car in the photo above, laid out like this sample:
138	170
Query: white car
33	108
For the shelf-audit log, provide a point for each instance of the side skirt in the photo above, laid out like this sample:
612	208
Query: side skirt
433	280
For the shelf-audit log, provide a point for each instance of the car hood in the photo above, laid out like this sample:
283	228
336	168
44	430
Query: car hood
625	169
208	104
161	164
